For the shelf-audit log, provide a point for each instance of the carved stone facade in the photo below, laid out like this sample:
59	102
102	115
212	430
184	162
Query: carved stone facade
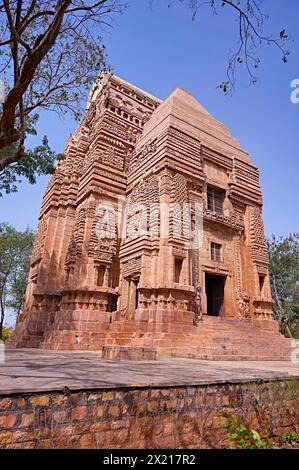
151	237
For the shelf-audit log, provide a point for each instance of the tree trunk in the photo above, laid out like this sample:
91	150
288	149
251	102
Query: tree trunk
1	326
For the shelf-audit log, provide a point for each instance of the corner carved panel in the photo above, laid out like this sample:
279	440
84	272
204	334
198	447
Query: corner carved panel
39	241
257	236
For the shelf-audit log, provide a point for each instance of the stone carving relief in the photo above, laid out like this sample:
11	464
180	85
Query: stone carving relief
137	220
77	238
39	241
257	236
235	218
143	209
103	237
179	211
111	157
179	252
132	135
179	189
243	307
184	137
165	181
145	153
243	301
238	266
197	304
130	267
165	298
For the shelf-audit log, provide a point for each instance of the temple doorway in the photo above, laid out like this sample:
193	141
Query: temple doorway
215	294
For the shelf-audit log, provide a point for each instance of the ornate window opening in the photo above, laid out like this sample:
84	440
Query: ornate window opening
178	264
261	283
101	271
215	251
215	199
70	273
136	282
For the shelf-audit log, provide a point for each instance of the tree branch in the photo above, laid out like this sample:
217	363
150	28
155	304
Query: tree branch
7	131
13	30
20	153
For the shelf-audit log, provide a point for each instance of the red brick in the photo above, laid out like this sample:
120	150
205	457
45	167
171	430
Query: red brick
60	416
27	419
5	403
5	438
152	406
42	400
7	421
20	403
59	400
88	441
79	412
114	411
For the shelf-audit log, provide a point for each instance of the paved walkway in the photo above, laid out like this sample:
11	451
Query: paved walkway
33	370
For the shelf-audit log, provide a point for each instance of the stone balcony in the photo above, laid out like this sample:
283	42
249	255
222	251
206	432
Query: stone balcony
233	219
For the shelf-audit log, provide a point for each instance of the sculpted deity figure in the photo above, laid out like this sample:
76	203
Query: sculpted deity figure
198	304
243	307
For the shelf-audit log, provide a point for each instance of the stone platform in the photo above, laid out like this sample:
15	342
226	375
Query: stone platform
79	400
159	335
38	371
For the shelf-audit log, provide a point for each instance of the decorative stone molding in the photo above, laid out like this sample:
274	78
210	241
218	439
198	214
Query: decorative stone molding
257	237
234	220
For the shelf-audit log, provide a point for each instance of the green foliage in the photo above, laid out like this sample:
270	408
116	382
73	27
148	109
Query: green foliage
283	34
224	86
7	331
15	253
39	161
240	437
284	269
290	438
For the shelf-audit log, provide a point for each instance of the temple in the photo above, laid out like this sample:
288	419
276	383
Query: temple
150	240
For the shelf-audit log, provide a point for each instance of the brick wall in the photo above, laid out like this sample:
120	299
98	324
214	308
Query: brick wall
175	417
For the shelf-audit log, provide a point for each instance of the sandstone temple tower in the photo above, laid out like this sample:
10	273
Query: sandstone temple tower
150	240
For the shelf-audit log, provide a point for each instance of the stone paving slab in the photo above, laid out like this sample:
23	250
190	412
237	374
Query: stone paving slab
27	370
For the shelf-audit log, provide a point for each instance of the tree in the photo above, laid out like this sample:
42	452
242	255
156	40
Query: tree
15	253
284	269
38	161
7	331
49	54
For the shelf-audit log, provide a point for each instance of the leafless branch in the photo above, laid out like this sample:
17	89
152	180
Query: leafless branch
251	26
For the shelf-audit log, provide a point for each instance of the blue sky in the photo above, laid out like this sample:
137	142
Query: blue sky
161	48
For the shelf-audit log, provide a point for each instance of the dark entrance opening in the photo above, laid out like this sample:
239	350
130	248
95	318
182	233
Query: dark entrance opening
112	303
136	282
215	295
